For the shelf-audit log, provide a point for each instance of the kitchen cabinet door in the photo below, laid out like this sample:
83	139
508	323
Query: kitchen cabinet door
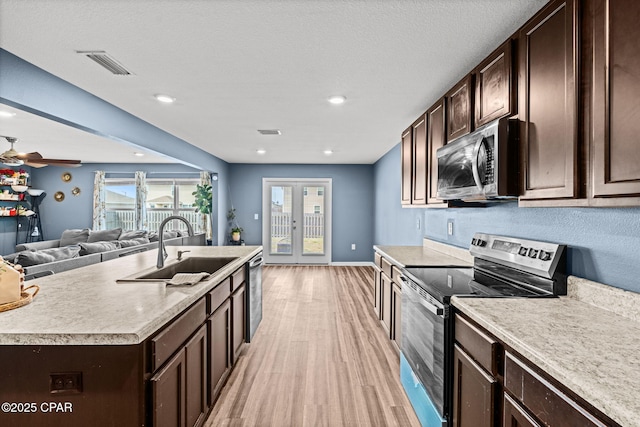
407	167
494	91
169	393
513	415
238	327
396	290
436	138
377	291
474	393
420	181
387	300
196	378
459	101
219	330
548	103
616	91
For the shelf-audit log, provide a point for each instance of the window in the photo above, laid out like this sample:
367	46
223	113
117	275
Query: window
120	203
316	209
171	197
320	191
165	197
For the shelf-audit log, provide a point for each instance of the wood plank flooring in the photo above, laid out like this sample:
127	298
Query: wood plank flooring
319	358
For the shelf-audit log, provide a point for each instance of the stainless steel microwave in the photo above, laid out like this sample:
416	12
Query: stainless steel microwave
482	165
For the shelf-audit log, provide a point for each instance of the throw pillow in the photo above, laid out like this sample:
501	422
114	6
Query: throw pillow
133	242
32	257
104	235
74	236
97	247
132	234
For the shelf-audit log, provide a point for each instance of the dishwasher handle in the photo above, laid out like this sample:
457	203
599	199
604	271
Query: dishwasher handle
256	262
426	300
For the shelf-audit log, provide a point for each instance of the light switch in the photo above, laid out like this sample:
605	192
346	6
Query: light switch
256	216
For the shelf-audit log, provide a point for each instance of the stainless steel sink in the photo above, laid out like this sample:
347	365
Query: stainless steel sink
187	265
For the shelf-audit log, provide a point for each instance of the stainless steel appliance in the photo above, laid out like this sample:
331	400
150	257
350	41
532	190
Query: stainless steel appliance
482	165
254	296
503	267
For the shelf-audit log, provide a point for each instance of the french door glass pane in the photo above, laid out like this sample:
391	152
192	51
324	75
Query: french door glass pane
281	220
313	217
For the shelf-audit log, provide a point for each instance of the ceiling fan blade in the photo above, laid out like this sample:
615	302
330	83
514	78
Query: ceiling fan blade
29	156
35	165
56	162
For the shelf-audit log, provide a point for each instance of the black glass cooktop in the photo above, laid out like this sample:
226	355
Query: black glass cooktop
443	283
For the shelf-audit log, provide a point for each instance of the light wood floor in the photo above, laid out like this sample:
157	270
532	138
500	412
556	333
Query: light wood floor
319	357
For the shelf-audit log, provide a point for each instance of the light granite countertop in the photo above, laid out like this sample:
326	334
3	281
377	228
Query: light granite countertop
430	254
593	351
86	306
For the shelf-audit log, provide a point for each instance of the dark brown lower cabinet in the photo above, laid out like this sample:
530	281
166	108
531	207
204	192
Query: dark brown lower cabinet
179	388
196	378
219	350
377	290
238	302
386	297
169	393
474	392
514	415
396	335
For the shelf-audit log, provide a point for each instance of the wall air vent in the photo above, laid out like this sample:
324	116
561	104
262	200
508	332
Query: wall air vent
270	131
107	61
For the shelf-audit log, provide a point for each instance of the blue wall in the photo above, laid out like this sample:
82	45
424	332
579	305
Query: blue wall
352	203
603	242
29	88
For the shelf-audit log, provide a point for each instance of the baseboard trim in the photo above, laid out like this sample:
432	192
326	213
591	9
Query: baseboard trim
354	264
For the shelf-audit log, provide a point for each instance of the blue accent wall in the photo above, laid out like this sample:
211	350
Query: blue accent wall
352	203
603	242
29	88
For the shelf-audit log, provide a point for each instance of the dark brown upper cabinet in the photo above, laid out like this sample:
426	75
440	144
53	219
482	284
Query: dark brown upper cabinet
407	166
436	138
459	101
419	183
495	86
548	103
613	26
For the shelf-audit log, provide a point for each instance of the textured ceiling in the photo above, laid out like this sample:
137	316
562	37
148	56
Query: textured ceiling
238	66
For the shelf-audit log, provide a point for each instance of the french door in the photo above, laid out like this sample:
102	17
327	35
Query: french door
296	215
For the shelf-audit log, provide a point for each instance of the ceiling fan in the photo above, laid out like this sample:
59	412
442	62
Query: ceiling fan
12	158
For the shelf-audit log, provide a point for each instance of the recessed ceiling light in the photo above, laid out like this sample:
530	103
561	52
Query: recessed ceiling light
261	151
165	98
138	154
7	114
270	131
337	99
328	152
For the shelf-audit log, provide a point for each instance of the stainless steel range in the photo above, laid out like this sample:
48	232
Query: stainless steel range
504	267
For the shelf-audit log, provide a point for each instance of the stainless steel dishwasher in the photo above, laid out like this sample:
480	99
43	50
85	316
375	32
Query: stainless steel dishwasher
254	295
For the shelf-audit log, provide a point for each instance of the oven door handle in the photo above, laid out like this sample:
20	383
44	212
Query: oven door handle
434	309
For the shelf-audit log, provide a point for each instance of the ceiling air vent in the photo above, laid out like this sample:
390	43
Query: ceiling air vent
270	131
103	58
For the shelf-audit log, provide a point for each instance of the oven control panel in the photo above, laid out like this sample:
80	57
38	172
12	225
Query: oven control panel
536	257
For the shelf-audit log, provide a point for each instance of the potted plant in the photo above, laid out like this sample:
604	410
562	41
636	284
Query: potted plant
204	205
233	225
235	233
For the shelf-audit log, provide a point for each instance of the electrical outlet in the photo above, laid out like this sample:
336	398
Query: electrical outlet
65	383
256	216
353	246
450	227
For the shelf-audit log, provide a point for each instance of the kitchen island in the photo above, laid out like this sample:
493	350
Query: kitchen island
92	351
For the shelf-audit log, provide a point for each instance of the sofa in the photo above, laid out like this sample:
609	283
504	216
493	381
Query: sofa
81	247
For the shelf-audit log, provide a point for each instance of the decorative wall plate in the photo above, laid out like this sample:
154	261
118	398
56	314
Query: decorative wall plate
75	191
66	177
59	196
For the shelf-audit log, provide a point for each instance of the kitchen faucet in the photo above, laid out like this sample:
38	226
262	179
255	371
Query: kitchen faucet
162	252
